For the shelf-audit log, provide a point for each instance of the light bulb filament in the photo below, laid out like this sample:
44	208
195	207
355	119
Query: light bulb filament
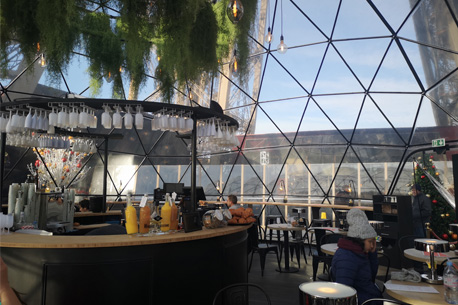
234	9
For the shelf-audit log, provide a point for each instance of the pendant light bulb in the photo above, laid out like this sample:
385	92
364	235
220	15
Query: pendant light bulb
282	47
269	36
235	11
234	65
43	61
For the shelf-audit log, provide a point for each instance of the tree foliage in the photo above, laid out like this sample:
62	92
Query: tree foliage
442	213
191	37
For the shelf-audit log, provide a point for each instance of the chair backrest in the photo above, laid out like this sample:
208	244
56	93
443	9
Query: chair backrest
322	235
330	238
385	302
385	259
253	238
240	294
405	242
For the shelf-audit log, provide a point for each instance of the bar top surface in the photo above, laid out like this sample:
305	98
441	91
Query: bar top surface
18	240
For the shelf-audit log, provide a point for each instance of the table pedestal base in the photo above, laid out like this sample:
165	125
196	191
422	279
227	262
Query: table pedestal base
289	270
426	277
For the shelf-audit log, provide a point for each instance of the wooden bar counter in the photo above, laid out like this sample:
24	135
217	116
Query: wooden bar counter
173	268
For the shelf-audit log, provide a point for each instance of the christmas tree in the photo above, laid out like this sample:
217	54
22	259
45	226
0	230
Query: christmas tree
442	213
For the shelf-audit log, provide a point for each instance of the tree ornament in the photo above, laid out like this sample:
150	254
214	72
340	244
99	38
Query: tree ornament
431	157
454	236
452	247
443	215
433	166
422	176
419	158
447	215
64	159
434	201
428	195
37	163
445	236
437	173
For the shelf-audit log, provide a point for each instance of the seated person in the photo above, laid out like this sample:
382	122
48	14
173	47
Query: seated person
355	263
84	206
232	202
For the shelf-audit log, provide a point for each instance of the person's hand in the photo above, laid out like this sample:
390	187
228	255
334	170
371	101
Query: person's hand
7	295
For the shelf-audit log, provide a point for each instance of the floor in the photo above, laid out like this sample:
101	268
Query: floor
282	288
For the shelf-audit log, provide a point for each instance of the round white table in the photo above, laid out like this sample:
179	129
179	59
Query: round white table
285	227
421	256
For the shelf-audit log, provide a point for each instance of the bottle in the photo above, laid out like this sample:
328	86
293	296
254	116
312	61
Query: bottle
165	214
450	284
145	216
21	222
174	214
131	217
155	223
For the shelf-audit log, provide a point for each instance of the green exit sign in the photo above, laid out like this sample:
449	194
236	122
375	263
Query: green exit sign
438	142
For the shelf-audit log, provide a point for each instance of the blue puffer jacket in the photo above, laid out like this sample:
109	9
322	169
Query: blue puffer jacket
352	267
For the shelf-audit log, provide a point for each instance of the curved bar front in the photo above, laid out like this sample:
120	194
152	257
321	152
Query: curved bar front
179	268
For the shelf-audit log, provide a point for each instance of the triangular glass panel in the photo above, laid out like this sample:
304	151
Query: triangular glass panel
381	163
400	110
322	14
166	144
394	74
266	129
446	98
28	84
342	110
233	183
429	126
294	180
394	11
302	63
353	173
122	170
358	19
252	182
439	63
281	114
147	179
208	176
277	83
431	24
322	165
273	159
316	128
307	32
184	171
374	128
335	77
363	56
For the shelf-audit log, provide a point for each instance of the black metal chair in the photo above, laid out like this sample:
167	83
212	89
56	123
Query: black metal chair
240	294
324	236
406	242
297	244
385	302
262	248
